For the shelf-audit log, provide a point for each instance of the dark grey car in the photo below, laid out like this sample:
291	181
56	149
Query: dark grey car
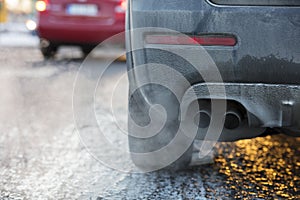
241	59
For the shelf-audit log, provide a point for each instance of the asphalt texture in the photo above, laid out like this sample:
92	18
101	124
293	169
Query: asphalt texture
44	154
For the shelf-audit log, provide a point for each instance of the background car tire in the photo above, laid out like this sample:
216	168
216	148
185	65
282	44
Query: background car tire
86	50
49	50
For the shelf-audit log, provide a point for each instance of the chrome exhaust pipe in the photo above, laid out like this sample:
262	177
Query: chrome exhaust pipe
202	118
233	118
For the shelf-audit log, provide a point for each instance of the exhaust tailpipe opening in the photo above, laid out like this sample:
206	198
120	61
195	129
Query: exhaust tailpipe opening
233	118
202	119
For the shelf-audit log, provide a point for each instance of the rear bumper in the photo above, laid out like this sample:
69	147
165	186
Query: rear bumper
76	33
268	105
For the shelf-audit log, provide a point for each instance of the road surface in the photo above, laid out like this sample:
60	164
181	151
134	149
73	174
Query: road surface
44	154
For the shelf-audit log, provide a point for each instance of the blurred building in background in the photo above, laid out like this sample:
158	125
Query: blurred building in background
3	11
20	6
17	15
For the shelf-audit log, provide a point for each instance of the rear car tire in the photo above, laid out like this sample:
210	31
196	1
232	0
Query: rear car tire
139	115
48	49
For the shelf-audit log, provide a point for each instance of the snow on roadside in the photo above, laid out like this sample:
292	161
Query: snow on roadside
17	39
15	34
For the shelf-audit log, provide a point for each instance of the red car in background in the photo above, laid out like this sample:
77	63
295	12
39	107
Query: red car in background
85	23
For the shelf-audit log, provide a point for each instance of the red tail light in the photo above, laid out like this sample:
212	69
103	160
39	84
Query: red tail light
205	40
121	7
41	5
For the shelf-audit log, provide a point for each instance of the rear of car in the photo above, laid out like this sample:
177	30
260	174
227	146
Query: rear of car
253	43
78	22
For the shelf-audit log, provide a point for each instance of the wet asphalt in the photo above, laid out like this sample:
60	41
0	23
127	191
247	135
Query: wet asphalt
46	154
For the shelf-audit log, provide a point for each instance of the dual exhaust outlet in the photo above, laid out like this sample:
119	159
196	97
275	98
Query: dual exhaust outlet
233	118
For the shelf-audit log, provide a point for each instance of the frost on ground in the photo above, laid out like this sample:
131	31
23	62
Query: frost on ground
41	153
42	156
